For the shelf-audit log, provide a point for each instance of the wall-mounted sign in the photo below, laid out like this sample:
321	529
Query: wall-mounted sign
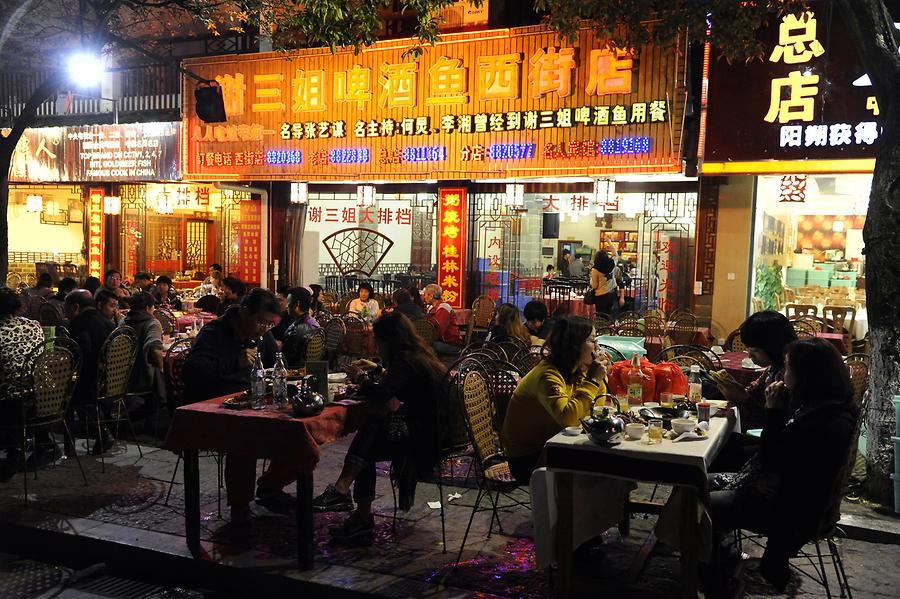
95	232
493	98
107	153
808	99
451	258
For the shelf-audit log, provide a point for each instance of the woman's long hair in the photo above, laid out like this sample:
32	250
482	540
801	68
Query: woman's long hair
510	321
819	373
564	343
770	331
395	333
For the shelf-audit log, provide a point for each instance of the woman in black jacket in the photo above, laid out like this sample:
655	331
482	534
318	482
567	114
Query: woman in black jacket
787	491
402	428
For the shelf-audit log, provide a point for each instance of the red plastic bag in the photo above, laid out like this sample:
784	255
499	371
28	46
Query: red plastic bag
618	379
659	378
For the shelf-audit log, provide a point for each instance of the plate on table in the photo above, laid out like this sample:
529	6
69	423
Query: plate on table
337	377
238	402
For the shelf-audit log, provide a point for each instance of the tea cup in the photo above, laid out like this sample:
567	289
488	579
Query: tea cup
634	430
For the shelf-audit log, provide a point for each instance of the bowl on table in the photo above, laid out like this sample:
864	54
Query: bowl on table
683	425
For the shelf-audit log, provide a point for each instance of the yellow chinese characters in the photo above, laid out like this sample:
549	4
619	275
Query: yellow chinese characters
353	85
448	82
551	71
233	88
797	41
450	251
609	72
498	76
268	89
398	85
800	103
309	91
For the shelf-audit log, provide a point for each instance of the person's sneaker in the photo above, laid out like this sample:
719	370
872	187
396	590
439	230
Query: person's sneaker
332	501
354	528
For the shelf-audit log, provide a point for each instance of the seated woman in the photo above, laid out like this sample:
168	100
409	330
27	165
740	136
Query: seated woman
555	394
402	425
302	326
509	326
785	492
165	295
364	306
766	335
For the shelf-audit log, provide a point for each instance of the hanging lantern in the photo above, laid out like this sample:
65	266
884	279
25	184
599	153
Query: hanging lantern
793	188
34	203
299	192
164	204
604	195
365	196
112	205
515	196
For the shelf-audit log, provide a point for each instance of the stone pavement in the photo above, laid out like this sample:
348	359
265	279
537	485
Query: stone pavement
124	508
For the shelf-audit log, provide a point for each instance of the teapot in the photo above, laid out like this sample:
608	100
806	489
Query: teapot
305	400
607	428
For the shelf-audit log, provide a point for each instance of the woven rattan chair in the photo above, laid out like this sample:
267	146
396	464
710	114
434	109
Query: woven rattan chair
503	378
483	347
683	329
49	378
114	370
166	319
315	346
794	310
528	358
858	364
694	354
356	339
614	354
335	330
804	328
480	320
629	328
629	316
511	346
734	342
208	303
344	303
426	329
494	477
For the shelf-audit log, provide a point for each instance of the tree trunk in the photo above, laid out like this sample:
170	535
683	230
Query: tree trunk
872	30
42	93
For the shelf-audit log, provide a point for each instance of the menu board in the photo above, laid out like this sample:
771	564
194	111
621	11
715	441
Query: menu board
249	239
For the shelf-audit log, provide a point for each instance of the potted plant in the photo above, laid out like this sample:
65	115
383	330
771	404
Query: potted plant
768	287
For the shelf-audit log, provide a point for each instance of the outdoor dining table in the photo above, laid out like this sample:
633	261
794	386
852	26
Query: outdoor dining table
207	426
186	321
572	459
732	362
837	340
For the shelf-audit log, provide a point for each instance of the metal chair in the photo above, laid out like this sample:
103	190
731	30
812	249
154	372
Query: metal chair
511	346
114	370
480	320
166	319
494	477
315	346
426	329
615	354
683	329
628	316
734	343
502	378
335	330
858	364
688	355
557	296
50	373
629	328
528	358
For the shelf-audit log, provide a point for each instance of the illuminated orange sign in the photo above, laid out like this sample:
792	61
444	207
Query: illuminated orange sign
451	257
95	232
300	114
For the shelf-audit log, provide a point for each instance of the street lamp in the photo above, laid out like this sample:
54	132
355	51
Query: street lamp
85	69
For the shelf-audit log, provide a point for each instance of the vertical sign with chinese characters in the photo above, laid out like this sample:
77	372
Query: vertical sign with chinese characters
249	240
451	257
95	232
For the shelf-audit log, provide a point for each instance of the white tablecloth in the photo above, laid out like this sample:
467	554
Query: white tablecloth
860	325
605	495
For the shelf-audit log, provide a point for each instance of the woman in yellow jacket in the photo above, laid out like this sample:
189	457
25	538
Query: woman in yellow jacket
553	395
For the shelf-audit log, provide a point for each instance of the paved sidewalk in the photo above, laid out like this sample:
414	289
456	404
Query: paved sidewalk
125	507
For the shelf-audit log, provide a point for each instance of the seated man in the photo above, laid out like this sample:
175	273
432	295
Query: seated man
449	341
535	313
107	303
404	304
143	282
66	285
303	325
146	374
89	328
234	290
220	364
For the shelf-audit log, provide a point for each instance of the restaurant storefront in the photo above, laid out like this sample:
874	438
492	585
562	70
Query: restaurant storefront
474	166
791	142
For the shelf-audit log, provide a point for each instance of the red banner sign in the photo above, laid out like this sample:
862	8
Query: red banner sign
95	233
249	239
451	257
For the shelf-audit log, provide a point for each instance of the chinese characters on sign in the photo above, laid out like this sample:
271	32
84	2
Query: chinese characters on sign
466	96
451	261
95	232
249	237
353	215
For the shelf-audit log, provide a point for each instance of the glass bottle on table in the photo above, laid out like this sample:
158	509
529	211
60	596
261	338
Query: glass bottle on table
258	383
279	381
635	390
695	385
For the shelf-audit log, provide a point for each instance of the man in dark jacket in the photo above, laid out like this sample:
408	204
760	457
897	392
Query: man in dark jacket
403	304
89	329
147	370
220	364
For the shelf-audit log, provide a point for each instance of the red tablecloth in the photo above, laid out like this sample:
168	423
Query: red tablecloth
731	361
208	426
183	323
654	344
462	316
186	284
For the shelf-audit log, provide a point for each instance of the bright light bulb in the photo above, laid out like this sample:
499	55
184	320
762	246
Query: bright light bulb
85	69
